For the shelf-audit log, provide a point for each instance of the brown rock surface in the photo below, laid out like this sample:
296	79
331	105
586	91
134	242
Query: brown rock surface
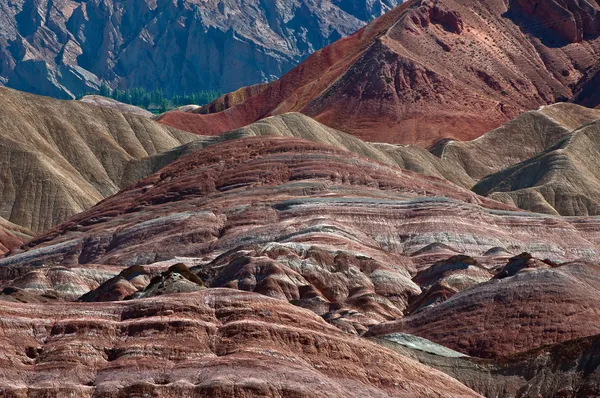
58	158
12	236
535	307
429	70
218	342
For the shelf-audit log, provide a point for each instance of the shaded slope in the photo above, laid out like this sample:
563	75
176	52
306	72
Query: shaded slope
428	70
570	368
516	141
58	158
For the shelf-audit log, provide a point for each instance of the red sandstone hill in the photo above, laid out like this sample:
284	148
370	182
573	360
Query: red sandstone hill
432	69
311	224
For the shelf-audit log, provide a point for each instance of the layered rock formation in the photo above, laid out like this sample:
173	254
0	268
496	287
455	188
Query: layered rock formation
12	236
218	342
297	125
317	226
66	48
58	158
534	307
563	179
429	70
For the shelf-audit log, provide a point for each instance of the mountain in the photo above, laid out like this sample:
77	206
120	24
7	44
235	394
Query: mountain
534	307
58	158
318	226
301	126
66	48
431	69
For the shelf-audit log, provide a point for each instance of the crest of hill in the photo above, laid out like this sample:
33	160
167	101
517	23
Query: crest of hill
518	140
105	102
59	158
429	70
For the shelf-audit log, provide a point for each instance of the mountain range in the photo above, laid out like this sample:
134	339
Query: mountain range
67	48
410	212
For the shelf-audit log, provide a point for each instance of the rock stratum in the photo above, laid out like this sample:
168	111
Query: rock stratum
218	342
429	70
303	222
279	246
67	48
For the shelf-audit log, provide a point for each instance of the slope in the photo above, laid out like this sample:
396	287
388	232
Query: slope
58	158
431	69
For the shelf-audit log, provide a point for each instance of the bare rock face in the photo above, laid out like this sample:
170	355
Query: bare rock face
587	92
53	283
66	48
534	307
58	158
563	179
297	125
217	342
445	278
12	236
430	70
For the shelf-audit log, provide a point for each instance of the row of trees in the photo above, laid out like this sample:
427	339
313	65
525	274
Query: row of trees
156	99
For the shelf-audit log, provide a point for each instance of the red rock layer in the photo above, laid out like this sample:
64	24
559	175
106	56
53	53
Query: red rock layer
306	223
533	308
8	241
218	343
428	70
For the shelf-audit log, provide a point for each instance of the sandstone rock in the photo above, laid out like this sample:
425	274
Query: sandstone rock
300	126
514	314
315	225
217	342
556	370
12	236
562	180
